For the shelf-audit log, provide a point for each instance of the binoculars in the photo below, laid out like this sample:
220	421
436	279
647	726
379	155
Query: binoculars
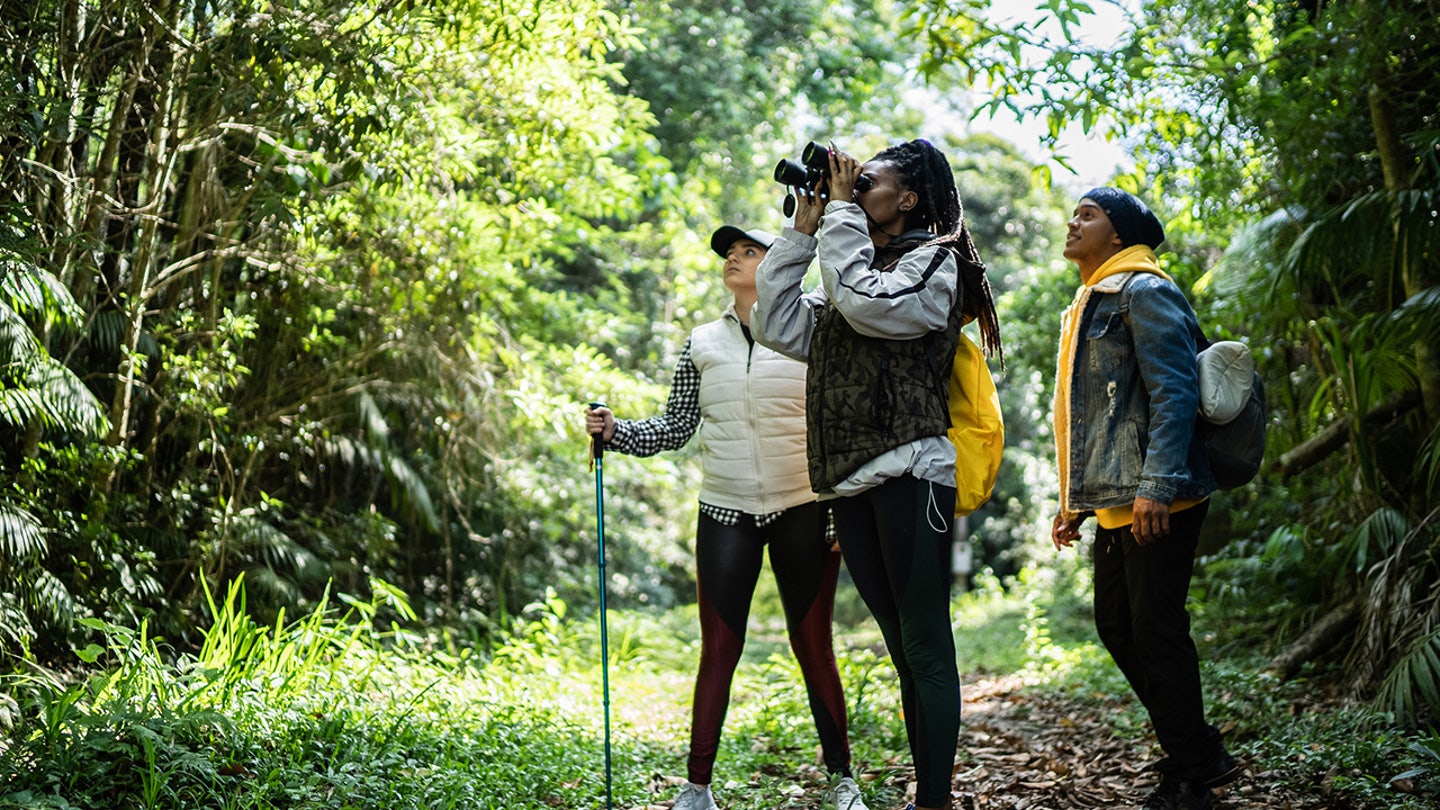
813	165
812	168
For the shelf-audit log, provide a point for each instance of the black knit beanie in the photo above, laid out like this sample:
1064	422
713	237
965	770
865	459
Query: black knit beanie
1134	222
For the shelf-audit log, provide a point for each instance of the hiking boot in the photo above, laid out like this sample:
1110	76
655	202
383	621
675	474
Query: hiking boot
843	794
1179	794
1223	771
1220	771
694	797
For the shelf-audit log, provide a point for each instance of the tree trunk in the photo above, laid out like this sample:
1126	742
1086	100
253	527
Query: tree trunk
1418	272
156	181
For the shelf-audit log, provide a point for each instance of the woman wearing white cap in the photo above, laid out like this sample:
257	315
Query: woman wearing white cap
748	405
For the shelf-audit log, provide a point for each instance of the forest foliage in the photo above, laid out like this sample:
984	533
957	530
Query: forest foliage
313	292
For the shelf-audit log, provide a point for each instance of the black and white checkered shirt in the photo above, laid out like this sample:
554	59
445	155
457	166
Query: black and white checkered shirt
672	429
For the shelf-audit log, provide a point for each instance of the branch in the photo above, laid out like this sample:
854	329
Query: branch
1317	448
1321	636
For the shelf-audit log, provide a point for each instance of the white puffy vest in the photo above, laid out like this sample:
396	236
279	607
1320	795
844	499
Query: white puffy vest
752	428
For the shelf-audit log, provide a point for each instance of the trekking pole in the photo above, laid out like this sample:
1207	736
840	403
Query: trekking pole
597	454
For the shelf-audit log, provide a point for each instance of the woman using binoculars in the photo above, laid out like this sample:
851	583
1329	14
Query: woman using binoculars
899	276
748	405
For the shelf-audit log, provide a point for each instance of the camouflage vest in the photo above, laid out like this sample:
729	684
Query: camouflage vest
868	395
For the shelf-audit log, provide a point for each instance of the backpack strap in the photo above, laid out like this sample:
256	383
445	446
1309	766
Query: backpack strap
1119	284
941	376
1202	340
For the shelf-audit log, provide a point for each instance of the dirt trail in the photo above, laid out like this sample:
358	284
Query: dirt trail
1020	750
1023	751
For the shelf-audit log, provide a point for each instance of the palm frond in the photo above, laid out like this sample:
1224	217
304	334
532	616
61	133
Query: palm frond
417	494
17	342
1420	313
49	599
371	419
52	395
21	535
15	626
1369	360
349	452
1373	237
267	544
1380	532
107	330
1400	611
1413	684
31	592
412	490
36	293
69	404
20	407
21	288
1427	463
1254	253
269	586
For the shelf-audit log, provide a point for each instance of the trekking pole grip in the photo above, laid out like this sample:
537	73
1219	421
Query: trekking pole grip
597	439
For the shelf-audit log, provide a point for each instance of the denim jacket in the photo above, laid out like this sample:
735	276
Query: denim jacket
1134	397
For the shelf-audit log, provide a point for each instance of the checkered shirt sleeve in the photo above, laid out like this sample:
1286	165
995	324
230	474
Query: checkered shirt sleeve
671	429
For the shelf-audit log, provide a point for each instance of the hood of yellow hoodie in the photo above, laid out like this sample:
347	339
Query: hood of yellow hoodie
1133	259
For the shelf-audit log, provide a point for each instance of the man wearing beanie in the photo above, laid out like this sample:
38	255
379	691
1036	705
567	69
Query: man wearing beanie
1126	398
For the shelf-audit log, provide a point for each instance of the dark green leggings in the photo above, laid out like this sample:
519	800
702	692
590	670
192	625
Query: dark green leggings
896	542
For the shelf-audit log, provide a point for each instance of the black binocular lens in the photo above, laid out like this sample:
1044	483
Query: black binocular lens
816	157
791	173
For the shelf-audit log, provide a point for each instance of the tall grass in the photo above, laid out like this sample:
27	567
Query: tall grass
328	711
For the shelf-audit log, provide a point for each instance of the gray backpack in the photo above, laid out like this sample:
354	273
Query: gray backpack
1232	412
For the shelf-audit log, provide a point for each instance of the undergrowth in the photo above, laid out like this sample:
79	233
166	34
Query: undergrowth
341	710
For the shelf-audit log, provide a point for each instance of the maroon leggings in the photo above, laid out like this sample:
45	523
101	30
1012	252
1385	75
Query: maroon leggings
727	566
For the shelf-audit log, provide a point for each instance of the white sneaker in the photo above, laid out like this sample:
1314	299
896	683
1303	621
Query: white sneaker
844	794
697	797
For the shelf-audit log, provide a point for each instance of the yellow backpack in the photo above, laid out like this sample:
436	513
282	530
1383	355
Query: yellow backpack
976	427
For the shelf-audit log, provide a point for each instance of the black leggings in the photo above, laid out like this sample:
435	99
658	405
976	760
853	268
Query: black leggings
896	541
727	566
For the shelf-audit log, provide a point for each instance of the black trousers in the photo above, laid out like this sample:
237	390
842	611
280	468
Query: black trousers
1140	614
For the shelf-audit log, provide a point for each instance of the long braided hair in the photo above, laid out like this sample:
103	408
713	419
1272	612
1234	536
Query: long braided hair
923	169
